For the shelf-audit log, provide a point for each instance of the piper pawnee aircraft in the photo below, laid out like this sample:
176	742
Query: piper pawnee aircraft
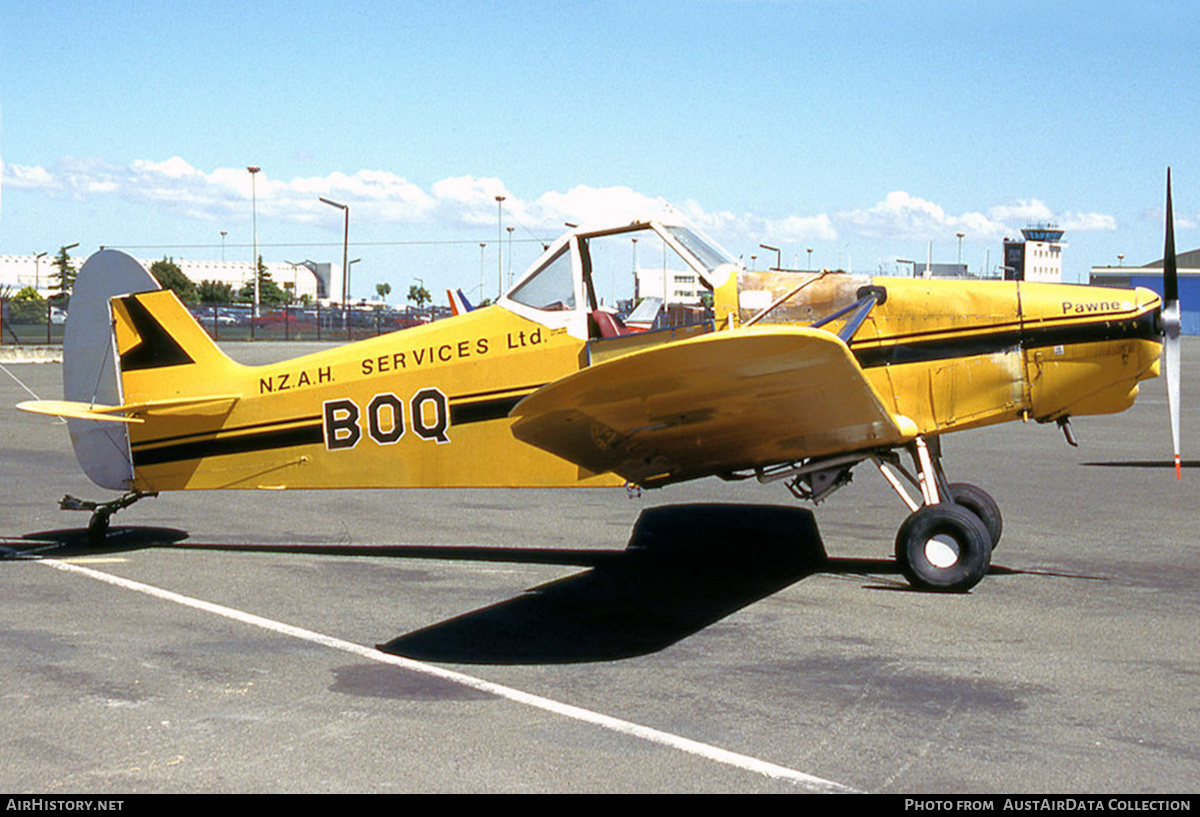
784	377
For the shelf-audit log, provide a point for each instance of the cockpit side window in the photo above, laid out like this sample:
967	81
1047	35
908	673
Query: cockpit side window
551	288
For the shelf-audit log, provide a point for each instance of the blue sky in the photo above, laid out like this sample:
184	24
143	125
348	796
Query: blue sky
861	129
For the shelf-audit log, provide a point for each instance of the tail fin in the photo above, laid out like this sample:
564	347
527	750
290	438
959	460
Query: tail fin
459	305
162	352
129	346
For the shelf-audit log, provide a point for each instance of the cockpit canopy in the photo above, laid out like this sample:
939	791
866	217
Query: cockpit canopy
613	269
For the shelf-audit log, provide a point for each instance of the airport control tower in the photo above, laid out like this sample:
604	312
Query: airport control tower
1037	258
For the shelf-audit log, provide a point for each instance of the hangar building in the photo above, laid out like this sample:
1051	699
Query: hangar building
1151	277
319	281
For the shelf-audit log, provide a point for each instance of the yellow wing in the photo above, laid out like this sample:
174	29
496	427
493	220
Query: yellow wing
714	404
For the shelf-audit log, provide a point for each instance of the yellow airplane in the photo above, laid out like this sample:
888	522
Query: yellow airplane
784	377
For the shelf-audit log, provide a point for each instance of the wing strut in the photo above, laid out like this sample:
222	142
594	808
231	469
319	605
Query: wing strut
869	297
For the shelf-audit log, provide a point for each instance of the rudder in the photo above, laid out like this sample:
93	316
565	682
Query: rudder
90	373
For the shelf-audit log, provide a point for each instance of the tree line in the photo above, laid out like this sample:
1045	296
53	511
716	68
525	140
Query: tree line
28	306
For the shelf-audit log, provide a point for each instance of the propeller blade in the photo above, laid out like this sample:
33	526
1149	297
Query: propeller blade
1171	328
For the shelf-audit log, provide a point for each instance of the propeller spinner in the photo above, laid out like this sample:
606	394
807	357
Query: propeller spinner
1171	328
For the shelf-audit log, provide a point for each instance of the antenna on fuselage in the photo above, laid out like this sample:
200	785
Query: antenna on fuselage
1171	327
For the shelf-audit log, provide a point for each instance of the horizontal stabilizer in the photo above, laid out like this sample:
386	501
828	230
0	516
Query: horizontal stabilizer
77	411
129	412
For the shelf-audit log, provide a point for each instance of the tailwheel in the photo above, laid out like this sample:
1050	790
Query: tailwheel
102	512
944	548
97	529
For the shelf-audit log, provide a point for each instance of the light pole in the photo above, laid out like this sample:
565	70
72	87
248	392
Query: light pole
636	282
37	276
482	244
810	258
510	232
253	170
350	266
960	238
345	208
499	245
778	255
223	234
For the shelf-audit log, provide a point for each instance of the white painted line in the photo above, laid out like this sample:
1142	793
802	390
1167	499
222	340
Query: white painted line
4	369
623	727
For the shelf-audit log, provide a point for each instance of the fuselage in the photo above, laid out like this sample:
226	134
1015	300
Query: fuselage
430	406
954	354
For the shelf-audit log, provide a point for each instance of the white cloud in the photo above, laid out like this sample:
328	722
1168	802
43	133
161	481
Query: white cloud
175	167
902	216
1032	211
469	190
1021	212
1087	222
467	200
594	205
805	228
25	177
378	196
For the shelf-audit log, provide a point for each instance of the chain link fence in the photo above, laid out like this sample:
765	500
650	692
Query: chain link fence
36	323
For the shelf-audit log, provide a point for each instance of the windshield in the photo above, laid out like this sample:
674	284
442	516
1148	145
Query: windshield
703	250
615	269
551	288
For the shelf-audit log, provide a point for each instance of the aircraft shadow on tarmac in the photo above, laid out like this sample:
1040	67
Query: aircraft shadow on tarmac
685	567
65	543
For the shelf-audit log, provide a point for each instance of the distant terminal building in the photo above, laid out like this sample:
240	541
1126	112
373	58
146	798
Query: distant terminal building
1151	277
928	269
317	281
1037	258
673	286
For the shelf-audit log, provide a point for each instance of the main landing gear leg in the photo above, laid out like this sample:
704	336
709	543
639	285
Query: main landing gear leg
946	543
101	512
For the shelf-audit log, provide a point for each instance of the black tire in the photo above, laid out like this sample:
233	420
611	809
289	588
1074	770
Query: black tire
944	548
97	529
979	502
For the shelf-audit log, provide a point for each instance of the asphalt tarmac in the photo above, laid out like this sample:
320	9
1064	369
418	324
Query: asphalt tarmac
227	642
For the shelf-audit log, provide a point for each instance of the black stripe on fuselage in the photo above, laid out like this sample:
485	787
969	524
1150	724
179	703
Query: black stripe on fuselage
943	346
273	425
268	436
482	410
308	434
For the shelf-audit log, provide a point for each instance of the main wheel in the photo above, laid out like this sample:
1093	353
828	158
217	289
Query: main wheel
979	502
944	548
